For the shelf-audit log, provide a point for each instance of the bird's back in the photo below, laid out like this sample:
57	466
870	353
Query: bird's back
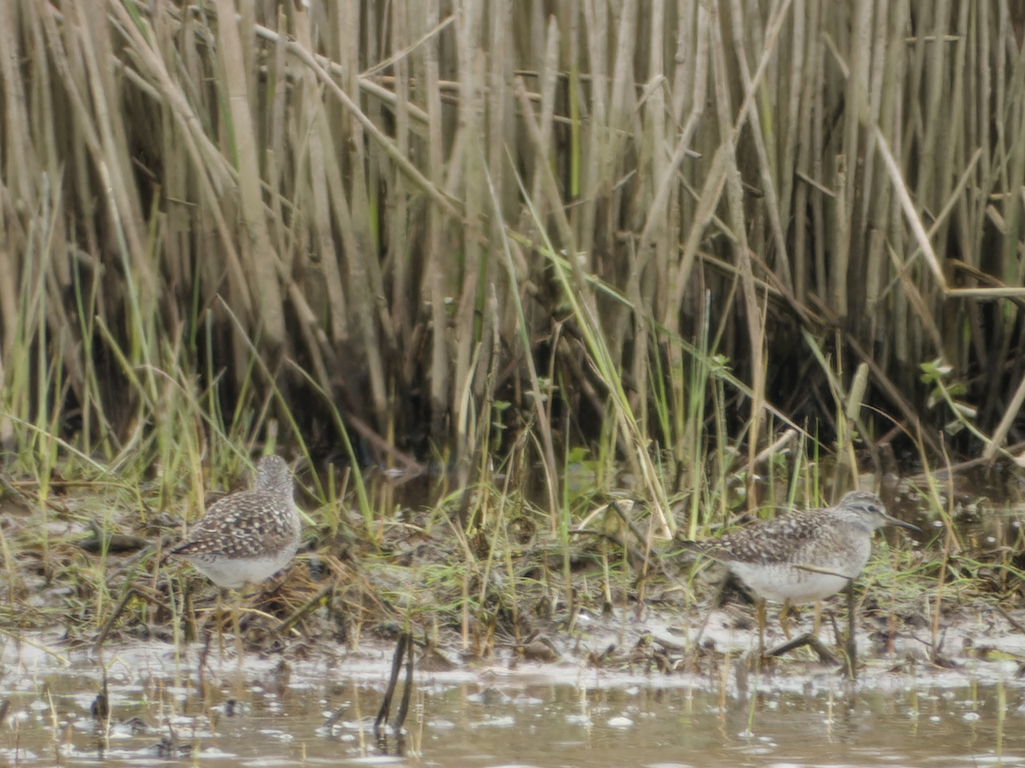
241	525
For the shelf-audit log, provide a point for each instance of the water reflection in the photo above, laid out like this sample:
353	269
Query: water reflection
159	713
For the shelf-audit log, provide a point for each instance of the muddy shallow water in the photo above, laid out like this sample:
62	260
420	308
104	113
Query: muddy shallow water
268	711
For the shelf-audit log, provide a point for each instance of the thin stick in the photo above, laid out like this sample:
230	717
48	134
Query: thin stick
396	667
400	716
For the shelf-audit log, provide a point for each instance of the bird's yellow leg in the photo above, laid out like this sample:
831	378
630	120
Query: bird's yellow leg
760	612
236	605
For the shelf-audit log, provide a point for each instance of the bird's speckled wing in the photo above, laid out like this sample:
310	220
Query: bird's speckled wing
245	524
783	539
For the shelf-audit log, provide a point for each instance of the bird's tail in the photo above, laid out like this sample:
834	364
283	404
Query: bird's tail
685	551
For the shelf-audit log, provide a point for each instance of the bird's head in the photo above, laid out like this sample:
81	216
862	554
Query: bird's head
868	510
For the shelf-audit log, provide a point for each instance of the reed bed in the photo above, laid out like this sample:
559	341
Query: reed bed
503	241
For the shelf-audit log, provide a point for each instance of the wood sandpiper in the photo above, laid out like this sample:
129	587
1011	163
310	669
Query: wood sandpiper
803	556
248	536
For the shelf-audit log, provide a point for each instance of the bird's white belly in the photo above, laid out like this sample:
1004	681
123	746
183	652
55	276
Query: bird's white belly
786	582
235	573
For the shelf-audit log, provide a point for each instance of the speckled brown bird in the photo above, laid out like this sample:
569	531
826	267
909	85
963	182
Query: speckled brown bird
248	536
806	555
802	556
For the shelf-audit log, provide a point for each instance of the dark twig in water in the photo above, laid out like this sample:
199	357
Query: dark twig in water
100	708
809	639
400	716
405	638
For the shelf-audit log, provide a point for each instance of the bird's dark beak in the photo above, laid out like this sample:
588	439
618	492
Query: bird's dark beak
902	524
